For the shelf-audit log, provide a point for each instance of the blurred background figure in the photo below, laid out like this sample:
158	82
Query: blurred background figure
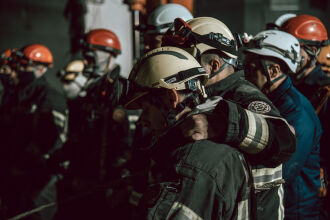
324	59
99	136
7	71
33	129
312	81
279	21
159	20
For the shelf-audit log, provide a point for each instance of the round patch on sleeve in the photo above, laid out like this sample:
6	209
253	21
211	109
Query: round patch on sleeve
259	107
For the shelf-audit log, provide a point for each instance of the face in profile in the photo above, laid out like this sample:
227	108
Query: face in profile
8	75
304	59
253	71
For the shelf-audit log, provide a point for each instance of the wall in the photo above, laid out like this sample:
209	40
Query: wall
259	12
25	22
115	16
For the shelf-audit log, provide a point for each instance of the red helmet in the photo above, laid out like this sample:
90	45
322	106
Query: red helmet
5	56
308	29
102	39
37	53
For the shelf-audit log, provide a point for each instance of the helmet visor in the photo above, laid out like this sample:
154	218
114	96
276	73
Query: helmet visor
179	34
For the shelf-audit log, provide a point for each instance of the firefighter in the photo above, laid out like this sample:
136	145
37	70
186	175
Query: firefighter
200	179
312	35
271	58
99	140
264	136
33	128
324	59
160	20
7	72
312	81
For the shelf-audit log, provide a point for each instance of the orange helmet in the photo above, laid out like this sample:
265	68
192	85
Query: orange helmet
5	56
324	58
309	30
102	39
37	53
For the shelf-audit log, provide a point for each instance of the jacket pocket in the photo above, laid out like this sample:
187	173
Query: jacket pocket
159	199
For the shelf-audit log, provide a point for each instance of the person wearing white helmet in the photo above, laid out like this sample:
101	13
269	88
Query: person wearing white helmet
160	20
271	57
200	179
263	134
279	21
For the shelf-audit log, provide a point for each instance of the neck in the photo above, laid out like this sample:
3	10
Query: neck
222	75
278	82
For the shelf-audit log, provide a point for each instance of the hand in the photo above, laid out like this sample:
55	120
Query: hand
195	127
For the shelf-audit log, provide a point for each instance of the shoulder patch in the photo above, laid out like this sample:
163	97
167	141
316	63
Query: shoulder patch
259	107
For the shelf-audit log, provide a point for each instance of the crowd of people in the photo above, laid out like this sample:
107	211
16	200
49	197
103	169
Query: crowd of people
208	125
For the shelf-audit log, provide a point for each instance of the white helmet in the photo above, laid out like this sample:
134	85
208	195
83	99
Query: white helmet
283	18
278	44
170	68
209	26
163	16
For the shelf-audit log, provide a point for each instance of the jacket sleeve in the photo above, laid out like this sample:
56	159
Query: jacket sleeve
201	195
266	139
54	103
307	146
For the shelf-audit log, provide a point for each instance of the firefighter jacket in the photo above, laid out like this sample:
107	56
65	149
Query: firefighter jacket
312	84
302	171
254	125
32	128
47	106
314	87
200	180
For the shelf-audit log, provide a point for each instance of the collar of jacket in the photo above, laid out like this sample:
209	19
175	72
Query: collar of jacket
317	77
222	86
280	90
165	145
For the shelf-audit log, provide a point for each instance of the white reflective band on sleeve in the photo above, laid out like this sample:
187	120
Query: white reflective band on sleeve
243	210
179	209
59	118
135	198
258	134
281	206
61	121
264	176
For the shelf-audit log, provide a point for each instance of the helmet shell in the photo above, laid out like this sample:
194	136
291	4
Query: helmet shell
164	15
206	25
38	53
306	27
103	39
275	43
283	18
161	63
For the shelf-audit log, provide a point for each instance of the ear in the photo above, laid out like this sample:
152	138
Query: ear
314	49
274	70
172	98
215	65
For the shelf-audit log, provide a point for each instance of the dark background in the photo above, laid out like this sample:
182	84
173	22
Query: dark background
57	23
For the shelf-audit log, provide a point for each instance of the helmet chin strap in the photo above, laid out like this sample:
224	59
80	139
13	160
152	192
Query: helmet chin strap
266	88
220	70
300	74
269	83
